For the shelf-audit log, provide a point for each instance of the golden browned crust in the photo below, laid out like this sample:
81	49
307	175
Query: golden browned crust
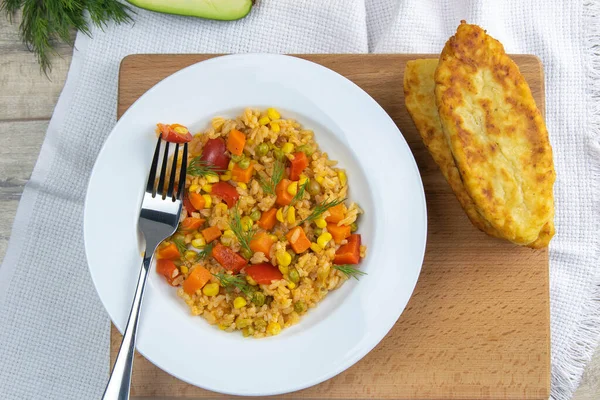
420	103
497	136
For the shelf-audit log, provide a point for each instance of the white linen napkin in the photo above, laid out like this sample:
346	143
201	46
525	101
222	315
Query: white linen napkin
54	333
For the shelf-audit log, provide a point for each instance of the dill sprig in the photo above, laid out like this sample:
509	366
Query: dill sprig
205	252
180	244
243	237
199	167
46	23
229	282
268	185
321	207
349	271
299	194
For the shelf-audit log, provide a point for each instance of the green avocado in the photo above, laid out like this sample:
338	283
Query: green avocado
226	10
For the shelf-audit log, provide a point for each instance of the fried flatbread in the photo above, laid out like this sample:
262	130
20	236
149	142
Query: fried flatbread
497	136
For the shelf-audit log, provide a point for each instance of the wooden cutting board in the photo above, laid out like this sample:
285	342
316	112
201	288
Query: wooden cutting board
478	323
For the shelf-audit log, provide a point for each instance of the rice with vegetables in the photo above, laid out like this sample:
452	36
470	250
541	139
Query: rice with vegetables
266	231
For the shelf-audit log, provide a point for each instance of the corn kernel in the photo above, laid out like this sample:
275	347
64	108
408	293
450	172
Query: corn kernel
342	177
198	235
226	176
199	243
184	269
246	223
211	289
212	178
273	113
319	178
291	215
242	185
275	127
303	179
222	207
315	247
291	285
228	233
293	188
230	165
182	130
273	328
284	259
239	302
279	215
282	269
250	280
287	148
207	200
222	327
190	255
323	239
323	272
207	188
194	188
274	238
321	223
264	120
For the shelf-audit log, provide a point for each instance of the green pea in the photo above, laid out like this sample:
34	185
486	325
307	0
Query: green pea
258	299
244	163
260	323
353	227
236	158
255	215
299	306
294	275
318	231
314	187
278	154
247	253
262	149
306	149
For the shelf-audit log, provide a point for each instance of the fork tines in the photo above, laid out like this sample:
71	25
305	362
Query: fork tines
160	188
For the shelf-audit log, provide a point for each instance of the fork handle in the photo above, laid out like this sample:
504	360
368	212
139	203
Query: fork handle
120	378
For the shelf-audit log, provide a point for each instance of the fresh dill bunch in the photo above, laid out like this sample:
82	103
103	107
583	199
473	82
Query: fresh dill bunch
350	271
45	23
268	185
321	207
198	167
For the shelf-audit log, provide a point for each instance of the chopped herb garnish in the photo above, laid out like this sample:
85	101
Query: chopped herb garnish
268	185
244	237
349	271
181	246
199	167
229	282
205	252
321	208
300	193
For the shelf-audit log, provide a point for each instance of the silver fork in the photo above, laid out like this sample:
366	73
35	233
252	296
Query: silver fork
159	217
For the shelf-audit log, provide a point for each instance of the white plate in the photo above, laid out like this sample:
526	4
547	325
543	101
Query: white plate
383	179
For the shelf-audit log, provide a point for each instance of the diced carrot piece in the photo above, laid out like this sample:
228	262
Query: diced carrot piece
242	175
261	242
211	233
236	142
298	165
168	252
268	219
228	258
336	213
188	204
283	197
197	200
338	233
264	273
298	240
348	253
196	279
191	224
167	269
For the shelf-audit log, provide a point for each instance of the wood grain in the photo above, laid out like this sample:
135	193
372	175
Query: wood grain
477	326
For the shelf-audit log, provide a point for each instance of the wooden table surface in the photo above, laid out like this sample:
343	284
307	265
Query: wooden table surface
27	99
